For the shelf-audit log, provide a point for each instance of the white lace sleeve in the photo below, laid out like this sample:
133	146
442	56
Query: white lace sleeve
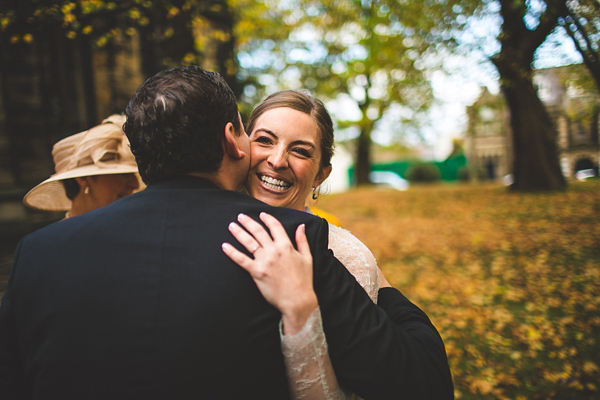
309	369
307	361
356	257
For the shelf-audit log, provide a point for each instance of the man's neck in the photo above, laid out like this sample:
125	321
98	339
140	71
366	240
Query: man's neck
218	178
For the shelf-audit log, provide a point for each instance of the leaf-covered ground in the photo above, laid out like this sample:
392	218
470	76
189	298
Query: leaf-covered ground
512	281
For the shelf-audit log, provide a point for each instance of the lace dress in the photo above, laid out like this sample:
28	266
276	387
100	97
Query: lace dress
307	359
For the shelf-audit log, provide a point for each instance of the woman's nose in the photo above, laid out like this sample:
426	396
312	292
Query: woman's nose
278	160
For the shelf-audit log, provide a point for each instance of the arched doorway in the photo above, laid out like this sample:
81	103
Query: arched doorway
586	164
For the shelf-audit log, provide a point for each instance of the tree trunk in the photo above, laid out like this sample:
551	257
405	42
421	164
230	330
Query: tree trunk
363	157
536	165
535	152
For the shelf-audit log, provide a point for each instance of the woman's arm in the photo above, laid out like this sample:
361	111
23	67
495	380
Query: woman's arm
378	350
284	276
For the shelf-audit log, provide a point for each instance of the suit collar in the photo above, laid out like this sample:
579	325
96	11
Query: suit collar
183	182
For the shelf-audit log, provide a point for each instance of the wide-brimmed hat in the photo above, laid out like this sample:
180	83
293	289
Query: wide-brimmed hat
101	150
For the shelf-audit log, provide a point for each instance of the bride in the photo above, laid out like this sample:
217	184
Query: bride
291	136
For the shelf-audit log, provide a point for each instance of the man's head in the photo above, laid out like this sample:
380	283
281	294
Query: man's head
176	123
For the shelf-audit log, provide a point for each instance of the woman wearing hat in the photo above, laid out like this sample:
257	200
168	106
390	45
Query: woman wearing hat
93	169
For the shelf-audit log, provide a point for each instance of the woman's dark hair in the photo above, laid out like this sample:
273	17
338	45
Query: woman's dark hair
176	122
303	102
71	188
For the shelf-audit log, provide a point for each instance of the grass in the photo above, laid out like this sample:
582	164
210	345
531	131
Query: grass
512	281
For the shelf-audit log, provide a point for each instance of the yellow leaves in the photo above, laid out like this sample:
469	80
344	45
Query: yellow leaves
67	8
173	11
189	58
102	41
220	35
4	22
511	281
69	19
135	14
589	367
481	386
533	334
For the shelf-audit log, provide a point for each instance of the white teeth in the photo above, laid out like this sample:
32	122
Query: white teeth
273	183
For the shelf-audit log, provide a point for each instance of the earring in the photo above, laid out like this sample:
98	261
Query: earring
86	190
314	194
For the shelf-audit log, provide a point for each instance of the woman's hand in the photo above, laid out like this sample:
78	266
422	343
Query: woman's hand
283	274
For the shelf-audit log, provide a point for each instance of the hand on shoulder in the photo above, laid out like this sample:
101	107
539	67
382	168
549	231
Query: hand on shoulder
283	274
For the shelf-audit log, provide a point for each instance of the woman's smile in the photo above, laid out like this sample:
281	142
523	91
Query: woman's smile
273	183
285	158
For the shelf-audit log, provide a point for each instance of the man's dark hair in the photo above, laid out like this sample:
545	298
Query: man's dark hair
176	122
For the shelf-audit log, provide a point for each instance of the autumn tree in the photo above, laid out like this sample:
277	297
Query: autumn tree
65	65
525	27
362	51
173	32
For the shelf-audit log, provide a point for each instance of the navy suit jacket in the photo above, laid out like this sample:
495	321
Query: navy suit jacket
136	300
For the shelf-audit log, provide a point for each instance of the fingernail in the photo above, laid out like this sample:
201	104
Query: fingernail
225	246
242	216
232	226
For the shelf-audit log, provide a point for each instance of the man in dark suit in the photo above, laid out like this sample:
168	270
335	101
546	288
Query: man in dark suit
137	300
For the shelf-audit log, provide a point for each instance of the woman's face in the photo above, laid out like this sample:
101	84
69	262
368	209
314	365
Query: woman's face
286	155
104	189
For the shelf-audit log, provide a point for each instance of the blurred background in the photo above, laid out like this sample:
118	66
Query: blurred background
476	101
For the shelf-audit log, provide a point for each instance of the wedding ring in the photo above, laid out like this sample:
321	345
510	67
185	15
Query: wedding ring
256	248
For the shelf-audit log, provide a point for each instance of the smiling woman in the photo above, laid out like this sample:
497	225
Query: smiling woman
286	156
291	142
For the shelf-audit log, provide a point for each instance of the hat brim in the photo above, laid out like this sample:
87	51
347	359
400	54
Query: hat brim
50	195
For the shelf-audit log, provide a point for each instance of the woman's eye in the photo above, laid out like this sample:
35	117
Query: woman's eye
302	152
263	139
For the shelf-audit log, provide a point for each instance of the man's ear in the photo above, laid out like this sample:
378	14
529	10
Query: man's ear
230	142
324	174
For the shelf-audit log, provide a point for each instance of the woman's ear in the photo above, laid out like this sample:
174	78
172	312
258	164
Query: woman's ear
321	176
231	142
82	181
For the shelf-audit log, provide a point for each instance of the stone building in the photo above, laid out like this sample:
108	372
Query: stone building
574	111
488	141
